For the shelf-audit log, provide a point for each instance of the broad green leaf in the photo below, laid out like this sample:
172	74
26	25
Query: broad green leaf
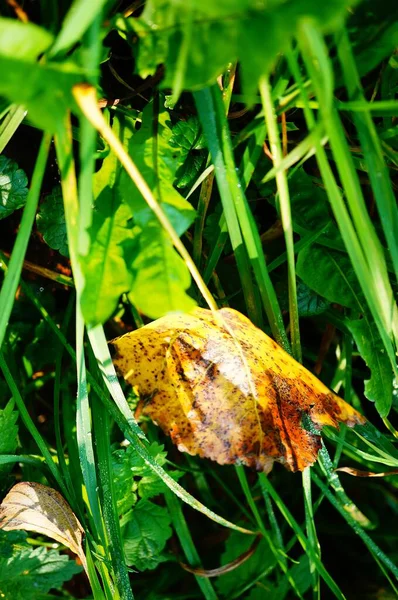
310	206
13	190
145	536
106	267
23	40
373	28
379	387
44	89
247	572
78	19
50	221
35	507
196	40
29	574
330	274
161	278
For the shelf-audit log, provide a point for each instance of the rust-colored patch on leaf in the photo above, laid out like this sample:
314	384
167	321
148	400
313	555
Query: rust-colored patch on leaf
222	389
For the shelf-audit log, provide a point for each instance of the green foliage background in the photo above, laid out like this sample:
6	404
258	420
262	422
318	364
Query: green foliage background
264	135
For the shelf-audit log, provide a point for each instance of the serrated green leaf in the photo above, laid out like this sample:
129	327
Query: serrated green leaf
188	135
106	267
145	536
379	388
247	572
8	541
13	190
196	40
158	161
125	485
50	221
24	40
28	574
132	476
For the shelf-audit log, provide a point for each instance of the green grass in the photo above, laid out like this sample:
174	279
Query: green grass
285	143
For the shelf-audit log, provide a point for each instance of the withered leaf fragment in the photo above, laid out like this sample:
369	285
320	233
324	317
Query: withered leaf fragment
35	507
222	389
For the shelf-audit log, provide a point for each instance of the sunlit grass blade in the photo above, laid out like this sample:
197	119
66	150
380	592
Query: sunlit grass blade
236	209
311	531
281	559
114	546
300	153
358	235
63	142
10	124
231	218
203	204
373	154
284	204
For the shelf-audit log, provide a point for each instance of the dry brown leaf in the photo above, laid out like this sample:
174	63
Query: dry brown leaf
222	389
35	507
231	566
358	473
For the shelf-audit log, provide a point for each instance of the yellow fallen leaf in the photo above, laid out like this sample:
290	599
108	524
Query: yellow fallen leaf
224	390
35	507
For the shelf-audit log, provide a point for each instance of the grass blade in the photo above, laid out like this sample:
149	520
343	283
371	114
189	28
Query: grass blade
14	269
